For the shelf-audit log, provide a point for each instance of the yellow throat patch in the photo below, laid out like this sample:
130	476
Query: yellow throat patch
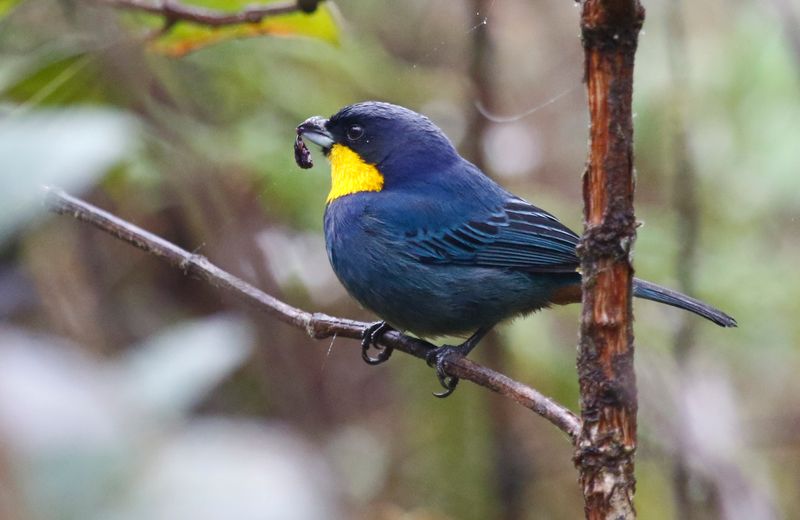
350	174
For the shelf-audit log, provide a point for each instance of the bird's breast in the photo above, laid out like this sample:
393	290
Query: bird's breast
370	257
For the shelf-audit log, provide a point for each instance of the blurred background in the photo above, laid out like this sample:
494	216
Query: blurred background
128	390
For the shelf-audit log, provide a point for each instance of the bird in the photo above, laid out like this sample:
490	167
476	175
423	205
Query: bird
430	244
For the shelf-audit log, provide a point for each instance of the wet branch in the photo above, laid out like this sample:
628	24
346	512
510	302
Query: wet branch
174	11
607	442
316	325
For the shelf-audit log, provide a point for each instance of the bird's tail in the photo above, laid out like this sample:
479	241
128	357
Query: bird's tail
656	293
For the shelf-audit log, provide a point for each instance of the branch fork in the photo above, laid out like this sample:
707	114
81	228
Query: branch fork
316	325
174	11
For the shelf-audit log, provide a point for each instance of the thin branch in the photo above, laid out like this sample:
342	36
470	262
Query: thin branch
174	11
606	446
316	325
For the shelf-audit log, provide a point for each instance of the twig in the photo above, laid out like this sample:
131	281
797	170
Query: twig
317	325
174	11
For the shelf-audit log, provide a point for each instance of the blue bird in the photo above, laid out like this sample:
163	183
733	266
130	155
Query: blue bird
425	240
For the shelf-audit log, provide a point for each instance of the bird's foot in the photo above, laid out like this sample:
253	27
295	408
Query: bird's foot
369	338
436	358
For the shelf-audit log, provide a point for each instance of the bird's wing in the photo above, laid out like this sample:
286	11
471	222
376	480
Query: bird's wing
516	236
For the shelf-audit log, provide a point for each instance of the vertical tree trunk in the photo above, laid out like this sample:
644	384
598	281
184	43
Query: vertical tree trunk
511	470
684	193
606	446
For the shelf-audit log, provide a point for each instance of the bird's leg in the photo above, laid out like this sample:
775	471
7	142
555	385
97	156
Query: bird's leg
370	337
437	357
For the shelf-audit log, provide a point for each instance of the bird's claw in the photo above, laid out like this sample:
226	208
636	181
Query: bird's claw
436	359
369	338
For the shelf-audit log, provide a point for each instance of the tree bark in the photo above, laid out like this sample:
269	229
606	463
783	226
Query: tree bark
607	442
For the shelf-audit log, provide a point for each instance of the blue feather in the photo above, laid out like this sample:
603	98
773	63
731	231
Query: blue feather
517	235
443	249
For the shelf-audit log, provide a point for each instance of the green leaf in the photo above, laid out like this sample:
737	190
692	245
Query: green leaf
68	148
186	37
62	81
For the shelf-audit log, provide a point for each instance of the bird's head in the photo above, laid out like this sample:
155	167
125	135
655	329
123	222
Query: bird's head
374	146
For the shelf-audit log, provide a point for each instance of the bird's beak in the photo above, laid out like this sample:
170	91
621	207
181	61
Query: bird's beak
314	130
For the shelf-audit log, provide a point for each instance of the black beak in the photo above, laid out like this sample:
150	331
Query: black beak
314	130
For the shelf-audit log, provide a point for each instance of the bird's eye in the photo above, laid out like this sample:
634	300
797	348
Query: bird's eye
355	132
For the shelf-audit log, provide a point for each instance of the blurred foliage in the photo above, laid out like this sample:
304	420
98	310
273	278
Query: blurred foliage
123	392
7	5
186	37
73	148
